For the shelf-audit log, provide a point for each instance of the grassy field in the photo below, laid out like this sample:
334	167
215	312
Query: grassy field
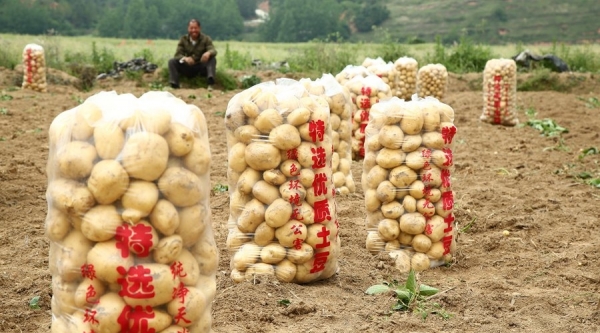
161	49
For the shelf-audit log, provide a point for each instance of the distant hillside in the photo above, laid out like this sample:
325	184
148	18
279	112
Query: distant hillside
493	21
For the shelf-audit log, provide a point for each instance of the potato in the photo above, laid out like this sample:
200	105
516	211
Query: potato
267	120
167	249
189	271
434	195
419	262
409	204
305	154
57	225
374	242
292	190
392	210
247	180
73	323
433	140
180	139
108	181
199	158
391	137
289	233
192	223
386	192
237	157
86	116
431	118
164	217
88	292
412	120
63	296
375	176
307	177
402	176
290	168
70	256
436	251
236	238
245	256
264	234
139	200
207	256
285	137
390	158
388	229
252	215
238	276
371	202
273	253
76	159
265	192
250	109
304	272
109	140
145	155
100	223
301	254
278	213
402	260
285	271
246	134
106	257
405	239
411	143
443	209
392	245
262	156
425	207
417	159
412	223
108	310
431	177
181	187
298	117
274	177
421	243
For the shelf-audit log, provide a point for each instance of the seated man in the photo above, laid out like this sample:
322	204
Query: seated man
195	55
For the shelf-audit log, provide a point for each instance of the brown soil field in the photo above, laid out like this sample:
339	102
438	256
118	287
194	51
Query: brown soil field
543	277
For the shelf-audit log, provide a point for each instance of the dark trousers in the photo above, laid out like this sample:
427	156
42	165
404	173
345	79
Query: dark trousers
206	69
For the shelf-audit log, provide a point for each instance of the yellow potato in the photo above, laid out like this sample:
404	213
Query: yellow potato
267	120
285	137
145	155
273	253
278	213
388	229
264	234
421	243
390	158
189	271
76	159
374	242
180	139
88	292
198	159
106	257
402	260
300	255
167	249
275	177
139	200
285	271
252	215
246	134
108	181
392	210
419	262
192	223
412	223
100	223
402	176
262	156
265	192
164	217
57	225
181	187
237	157
290	232
109	140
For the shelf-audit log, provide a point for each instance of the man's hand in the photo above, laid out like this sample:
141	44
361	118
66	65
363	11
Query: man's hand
189	60
205	57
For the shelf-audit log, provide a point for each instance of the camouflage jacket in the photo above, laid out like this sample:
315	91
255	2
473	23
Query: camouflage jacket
185	48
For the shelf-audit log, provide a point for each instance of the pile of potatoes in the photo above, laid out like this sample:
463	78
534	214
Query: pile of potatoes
406	77
129	221
432	80
340	106
365	92
350	72
406	182
34	68
282	209
500	92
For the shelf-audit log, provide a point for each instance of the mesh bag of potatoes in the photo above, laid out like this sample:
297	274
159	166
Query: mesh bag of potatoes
34	68
340	106
432	80
406	182
406	77
283	219
350	72
500	92
365	92
129	221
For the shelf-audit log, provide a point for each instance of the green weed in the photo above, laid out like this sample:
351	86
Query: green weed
591	103
5	97
411	296
588	151
4	111
220	188
546	126
284	302
34	303
235	59
250	81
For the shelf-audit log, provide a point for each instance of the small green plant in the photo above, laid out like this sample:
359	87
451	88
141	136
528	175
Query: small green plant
192	96
34	303
547	126
220	114
589	151
284	302
467	227
156	85
77	99
592	102
4	111
250	81
235	59
588	178
411	296
220	188
226	80
6	97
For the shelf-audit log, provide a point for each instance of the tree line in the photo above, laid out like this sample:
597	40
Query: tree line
289	20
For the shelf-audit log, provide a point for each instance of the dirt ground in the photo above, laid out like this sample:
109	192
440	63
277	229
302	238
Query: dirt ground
543	277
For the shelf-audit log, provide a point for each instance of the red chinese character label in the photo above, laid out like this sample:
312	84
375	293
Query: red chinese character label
87	271
296	215
316	130
322	212
447	157
180	292
319	158
449	220
428	208
292	154
448	134
320	184
319	262
89	316
447	200
497	98
366	91
135	319
177	269
137	239
445	174
295	199
364	116
297	243
294	170
137	282
324	235
297	229
90	295
294	184
447	243
180	316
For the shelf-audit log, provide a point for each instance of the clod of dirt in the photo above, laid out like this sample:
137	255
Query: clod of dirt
300	308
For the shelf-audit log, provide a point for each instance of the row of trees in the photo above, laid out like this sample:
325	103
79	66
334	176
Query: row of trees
289	20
